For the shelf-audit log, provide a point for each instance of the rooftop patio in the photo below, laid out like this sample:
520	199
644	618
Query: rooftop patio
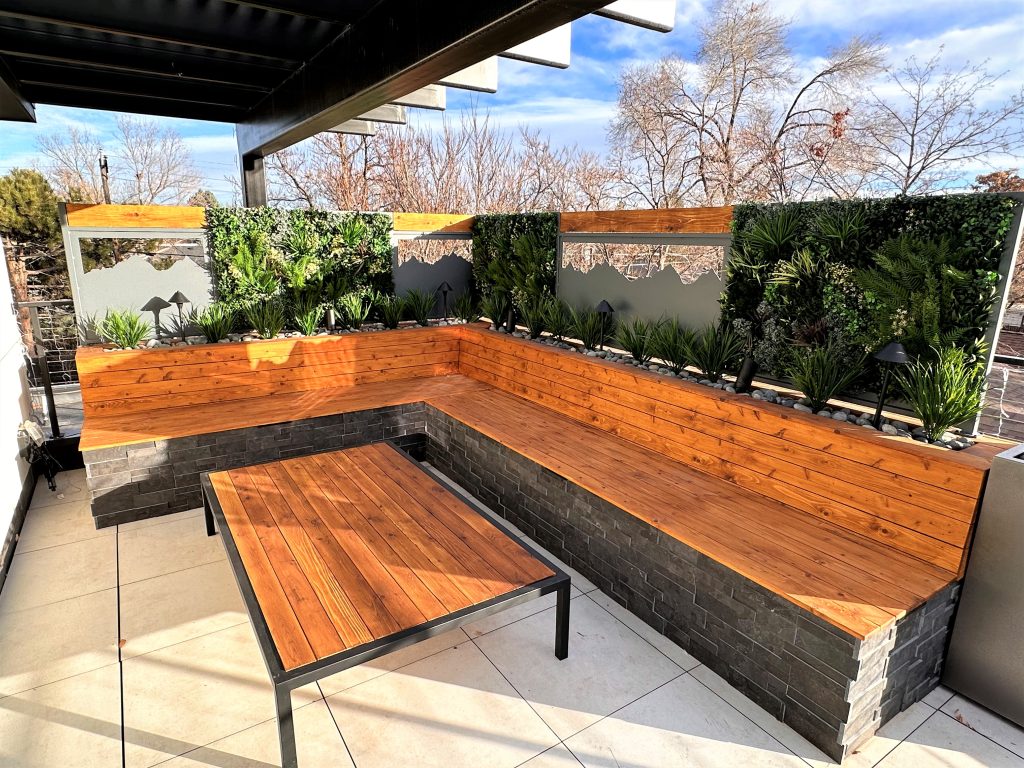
135	638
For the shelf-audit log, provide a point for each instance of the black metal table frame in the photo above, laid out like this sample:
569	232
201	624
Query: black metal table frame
285	681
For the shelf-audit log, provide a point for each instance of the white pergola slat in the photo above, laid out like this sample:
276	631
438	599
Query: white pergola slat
482	76
356	128
552	49
388	113
428	97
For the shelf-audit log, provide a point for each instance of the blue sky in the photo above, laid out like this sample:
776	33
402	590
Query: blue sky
574	106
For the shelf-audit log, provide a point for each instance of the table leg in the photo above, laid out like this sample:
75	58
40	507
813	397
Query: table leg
208	512
286	727
562	621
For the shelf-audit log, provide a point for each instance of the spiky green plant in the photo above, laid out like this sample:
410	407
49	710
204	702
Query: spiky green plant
558	318
715	349
466	308
921	297
355	309
944	388
591	327
251	265
495	308
123	327
307	313
391	309
532	311
215	321
671	343
636	336
420	305
821	373
266	317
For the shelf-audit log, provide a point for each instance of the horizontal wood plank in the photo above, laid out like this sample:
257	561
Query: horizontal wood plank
691	221
458	223
136	216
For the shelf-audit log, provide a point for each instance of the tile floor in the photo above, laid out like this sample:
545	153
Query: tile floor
185	684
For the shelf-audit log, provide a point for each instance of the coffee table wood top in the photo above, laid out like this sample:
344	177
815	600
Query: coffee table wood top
348	547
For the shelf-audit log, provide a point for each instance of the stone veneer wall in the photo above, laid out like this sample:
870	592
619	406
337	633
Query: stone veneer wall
133	482
830	687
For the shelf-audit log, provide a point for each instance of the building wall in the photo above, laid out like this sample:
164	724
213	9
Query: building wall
15	407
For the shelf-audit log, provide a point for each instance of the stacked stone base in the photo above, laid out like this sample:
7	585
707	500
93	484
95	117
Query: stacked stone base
143	480
829	686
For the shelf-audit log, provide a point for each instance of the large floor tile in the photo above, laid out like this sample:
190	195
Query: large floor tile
515	613
648	633
56	524
938	697
188	695
942	742
74	723
179	606
59	573
401	658
977	718
48	643
317	744
158	549
775	728
451	710
680	724
608	665
71	486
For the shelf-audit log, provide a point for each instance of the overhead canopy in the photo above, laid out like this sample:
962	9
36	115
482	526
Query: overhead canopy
281	70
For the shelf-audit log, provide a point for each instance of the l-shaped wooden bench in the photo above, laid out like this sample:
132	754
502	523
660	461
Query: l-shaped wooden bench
816	565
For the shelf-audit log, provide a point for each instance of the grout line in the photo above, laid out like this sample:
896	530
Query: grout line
516	621
168	573
100	533
120	659
334	720
57	602
652	645
750	720
975	730
186	640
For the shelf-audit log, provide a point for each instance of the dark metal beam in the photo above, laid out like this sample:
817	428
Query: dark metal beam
396	48
342	12
216	26
13	103
143	104
138	56
254	182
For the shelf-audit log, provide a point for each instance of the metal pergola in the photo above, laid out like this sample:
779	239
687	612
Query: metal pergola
280	70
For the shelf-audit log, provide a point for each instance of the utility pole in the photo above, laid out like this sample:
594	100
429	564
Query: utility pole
105	177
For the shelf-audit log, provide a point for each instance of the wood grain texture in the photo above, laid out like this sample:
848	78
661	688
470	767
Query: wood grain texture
459	223
846	579
692	221
136	216
912	498
330	575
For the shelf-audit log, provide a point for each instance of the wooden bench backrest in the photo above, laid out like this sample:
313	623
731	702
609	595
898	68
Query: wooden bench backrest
915	498
134	381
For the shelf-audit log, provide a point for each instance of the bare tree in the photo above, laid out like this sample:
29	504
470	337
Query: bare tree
149	164
933	127
738	122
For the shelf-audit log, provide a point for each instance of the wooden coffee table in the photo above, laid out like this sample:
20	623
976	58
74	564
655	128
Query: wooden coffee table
346	556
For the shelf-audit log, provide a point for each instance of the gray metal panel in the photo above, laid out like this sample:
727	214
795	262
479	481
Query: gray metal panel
986	654
415	274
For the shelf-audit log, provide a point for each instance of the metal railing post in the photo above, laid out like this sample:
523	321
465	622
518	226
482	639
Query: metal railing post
43	368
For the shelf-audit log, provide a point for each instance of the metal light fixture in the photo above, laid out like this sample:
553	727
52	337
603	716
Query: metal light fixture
154	305
605	310
180	299
444	289
891	354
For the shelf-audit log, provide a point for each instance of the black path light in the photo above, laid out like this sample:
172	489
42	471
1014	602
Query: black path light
891	354
445	289
605	310
154	305
180	299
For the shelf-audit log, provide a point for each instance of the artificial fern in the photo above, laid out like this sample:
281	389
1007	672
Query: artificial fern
920	296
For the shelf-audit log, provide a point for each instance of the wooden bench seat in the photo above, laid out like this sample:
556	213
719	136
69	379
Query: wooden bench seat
120	429
850	581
